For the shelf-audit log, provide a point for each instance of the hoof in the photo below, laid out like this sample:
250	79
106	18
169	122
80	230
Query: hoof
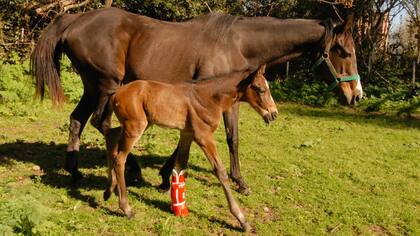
76	179
164	188
247	227
130	214
133	179
244	190
107	195
243	187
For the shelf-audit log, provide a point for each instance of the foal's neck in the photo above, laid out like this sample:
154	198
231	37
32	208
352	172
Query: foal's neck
222	91
278	40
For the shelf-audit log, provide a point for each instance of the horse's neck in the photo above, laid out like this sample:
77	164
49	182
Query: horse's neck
268	40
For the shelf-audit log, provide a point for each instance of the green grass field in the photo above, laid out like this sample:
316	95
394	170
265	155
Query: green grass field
313	171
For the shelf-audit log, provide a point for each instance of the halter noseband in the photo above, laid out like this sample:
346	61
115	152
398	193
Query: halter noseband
325	58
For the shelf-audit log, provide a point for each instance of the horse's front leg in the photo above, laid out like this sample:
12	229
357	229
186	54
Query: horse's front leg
208	145
230	119
182	151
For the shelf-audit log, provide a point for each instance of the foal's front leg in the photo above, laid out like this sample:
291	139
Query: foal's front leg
208	145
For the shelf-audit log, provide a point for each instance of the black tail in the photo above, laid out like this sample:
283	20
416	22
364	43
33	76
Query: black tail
45	59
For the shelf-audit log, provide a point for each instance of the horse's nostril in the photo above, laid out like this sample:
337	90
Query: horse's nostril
357	98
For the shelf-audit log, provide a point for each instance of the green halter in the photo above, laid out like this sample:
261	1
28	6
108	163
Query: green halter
325	58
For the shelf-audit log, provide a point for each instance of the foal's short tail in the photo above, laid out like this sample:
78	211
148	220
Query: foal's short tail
45	59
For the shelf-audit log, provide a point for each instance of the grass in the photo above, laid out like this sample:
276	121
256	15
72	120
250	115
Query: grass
314	171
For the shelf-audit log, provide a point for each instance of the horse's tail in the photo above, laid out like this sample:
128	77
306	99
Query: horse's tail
45	59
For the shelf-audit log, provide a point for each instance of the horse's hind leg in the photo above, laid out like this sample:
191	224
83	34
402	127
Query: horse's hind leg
230	119
182	151
208	145
78	119
101	120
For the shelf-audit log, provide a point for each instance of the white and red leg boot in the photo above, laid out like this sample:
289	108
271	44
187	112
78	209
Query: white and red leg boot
178	206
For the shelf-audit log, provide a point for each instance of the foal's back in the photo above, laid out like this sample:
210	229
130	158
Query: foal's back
159	103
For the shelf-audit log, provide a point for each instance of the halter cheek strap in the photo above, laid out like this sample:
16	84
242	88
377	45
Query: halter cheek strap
324	58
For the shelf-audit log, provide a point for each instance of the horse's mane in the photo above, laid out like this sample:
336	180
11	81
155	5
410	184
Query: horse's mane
216	25
329	32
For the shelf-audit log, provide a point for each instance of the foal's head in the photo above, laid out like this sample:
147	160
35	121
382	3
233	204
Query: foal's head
342	55
257	94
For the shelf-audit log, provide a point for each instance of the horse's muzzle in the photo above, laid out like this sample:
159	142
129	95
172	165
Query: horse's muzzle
270	116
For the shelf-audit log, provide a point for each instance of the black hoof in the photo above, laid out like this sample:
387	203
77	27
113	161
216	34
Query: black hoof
107	195
243	188
133	179
164	188
71	163
76	179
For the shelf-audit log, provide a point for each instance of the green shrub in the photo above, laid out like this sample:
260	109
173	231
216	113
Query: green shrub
17	86
23	215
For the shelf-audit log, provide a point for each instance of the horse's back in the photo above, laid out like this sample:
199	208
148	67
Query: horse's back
198	48
97	42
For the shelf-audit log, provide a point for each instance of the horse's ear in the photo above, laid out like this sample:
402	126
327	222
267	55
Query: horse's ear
349	22
346	25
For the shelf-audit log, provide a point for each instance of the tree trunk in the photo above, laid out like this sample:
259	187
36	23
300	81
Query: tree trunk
107	3
413	79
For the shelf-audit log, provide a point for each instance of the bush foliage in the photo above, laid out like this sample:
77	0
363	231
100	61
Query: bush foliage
386	80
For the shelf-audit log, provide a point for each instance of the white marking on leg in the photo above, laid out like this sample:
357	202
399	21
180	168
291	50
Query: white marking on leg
359	87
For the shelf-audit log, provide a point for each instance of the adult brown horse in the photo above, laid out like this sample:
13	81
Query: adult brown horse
109	47
194	108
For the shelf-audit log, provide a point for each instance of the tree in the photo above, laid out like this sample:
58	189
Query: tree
412	7
108	3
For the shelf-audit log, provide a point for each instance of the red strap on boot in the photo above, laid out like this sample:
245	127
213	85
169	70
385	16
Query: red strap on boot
178	206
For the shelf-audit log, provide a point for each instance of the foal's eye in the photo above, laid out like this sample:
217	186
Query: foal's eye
259	90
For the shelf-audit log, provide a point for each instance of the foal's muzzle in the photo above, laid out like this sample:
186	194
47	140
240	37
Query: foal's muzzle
270	116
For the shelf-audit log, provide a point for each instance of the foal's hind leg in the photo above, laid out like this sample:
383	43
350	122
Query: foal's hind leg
230	119
101	120
131	132
78	119
112	138
208	145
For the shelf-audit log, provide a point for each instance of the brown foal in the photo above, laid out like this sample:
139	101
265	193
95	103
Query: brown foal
195	108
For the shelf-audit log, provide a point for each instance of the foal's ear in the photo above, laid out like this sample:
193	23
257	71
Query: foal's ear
261	69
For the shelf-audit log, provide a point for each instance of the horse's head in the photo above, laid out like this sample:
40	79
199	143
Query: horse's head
258	95
340	60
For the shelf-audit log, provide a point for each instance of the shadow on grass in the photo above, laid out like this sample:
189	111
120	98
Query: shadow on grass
50	157
166	207
353	115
